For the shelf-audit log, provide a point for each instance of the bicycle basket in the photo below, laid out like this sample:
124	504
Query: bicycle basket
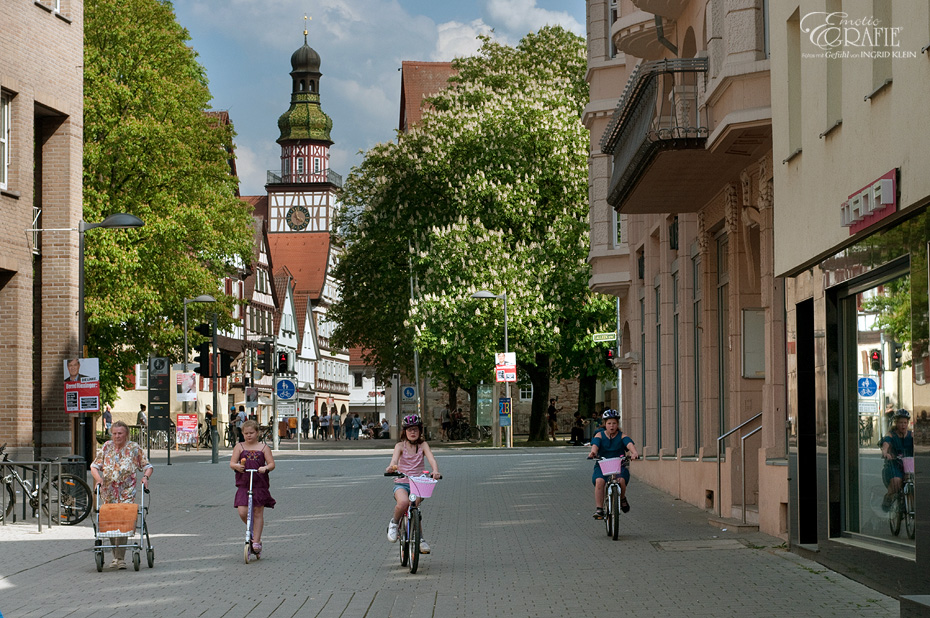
908	463
117	519
611	465
422	486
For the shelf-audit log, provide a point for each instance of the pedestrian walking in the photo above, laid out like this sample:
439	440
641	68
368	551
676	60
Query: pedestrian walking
305	426
336	425
324	426
315	425
107	419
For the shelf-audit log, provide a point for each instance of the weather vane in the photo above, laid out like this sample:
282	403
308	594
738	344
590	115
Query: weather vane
305	26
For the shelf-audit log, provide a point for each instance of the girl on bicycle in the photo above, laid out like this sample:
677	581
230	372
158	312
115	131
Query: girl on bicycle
610	442
898	442
409	453
252	455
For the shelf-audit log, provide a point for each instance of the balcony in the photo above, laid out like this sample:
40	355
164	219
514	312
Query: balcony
275	177
636	35
329	387
666	8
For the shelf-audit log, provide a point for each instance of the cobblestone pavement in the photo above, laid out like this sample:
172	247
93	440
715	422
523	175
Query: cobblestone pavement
511	533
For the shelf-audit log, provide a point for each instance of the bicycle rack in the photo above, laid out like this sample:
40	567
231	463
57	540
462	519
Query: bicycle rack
33	469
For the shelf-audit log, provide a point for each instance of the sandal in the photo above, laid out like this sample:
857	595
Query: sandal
599	514
624	505
256	548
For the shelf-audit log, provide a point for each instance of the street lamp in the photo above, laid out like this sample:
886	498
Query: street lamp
117	221
503	296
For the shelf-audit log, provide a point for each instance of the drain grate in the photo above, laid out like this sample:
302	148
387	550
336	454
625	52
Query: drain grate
699	545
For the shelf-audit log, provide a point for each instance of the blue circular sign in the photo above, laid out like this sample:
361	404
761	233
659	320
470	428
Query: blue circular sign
286	389
409	392
867	387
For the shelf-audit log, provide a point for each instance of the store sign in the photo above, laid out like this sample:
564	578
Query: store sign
870	204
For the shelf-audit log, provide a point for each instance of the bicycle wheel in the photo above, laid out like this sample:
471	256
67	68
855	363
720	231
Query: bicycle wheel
909	516
608	515
615	513
894	515
474	435
74	496
10	501
414	540
402	540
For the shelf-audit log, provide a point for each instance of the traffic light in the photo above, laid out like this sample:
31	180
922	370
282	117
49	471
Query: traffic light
203	357
224	369
263	356
282	361
204	329
609	355
895	355
875	359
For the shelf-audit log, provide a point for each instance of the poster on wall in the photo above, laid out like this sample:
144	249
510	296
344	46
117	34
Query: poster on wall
82	385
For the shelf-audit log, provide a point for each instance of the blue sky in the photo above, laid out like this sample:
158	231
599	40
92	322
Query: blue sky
245	47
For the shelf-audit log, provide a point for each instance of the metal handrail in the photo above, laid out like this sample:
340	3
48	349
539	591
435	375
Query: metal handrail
35	467
720	456
742	452
277	177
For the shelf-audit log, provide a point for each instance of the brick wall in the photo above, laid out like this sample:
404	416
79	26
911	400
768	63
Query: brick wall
41	57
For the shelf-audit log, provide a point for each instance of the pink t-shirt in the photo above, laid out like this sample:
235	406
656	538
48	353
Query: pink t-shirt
410	461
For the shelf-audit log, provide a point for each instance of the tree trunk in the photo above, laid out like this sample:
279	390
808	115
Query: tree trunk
587	389
473	404
539	376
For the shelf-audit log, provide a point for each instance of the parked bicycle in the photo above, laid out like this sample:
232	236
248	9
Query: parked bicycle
479	433
611	469
66	491
409	531
232	435
902	506
205	439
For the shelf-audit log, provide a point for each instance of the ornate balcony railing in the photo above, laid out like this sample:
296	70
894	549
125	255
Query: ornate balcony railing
331	387
658	110
275	177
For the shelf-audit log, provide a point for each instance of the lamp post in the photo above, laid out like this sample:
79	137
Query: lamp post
203	298
117	221
486	294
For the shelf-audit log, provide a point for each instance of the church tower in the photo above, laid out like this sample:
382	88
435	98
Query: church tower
302	197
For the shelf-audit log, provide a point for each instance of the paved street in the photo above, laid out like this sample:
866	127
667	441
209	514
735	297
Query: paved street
511	532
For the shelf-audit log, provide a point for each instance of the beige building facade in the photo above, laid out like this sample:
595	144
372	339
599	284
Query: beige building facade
681	202
852	228
41	146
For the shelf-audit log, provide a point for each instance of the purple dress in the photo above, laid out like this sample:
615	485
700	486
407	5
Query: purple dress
260	494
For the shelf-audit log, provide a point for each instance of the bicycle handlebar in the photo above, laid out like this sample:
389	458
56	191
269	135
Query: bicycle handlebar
401	474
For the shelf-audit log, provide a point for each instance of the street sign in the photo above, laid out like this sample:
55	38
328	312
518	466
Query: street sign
408	393
286	389
867	387
599	337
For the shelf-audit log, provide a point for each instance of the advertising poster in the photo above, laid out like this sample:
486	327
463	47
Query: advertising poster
187	429
505	408
82	385
187	386
505	366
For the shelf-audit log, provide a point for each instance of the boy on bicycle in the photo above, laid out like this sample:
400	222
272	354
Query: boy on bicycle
610	442
898	442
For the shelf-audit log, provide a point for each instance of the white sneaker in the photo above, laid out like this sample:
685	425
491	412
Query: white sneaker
392	532
424	546
121	565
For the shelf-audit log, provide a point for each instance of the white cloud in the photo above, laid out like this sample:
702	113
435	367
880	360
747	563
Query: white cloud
456	39
519	17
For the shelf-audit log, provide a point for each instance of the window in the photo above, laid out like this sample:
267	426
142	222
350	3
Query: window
676	361
142	377
5	104
658	298
723	332
358	379
300	165
613	14
526	388
316	166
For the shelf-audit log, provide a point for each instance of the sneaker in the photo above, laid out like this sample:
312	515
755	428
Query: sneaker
424	546
624	505
392	532
599	514
886	503
121	565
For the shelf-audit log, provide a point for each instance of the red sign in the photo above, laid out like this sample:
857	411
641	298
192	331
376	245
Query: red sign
871	203
187	429
82	385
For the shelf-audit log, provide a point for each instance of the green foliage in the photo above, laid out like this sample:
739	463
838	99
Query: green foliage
150	150
488	192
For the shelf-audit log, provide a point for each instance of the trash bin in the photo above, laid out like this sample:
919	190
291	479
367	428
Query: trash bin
73	464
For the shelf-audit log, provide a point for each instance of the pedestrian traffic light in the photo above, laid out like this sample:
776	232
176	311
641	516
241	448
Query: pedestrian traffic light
224	369
609	355
204	329
282	361
265	358
203	357
875	359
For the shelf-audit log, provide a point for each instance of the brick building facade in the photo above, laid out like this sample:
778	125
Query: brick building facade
41	124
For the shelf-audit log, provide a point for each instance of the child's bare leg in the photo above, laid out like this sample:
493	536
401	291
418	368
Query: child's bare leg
243	513
403	501
258	522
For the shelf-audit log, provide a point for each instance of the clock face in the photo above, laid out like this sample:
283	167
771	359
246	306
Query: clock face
297	218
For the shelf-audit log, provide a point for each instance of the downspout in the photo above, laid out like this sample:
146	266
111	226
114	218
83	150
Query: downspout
660	34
